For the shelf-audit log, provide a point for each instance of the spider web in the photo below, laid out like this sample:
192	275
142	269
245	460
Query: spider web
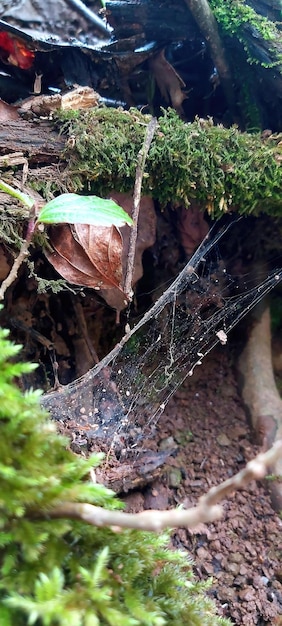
125	394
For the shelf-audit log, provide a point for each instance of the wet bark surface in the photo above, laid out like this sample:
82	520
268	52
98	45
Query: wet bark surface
39	143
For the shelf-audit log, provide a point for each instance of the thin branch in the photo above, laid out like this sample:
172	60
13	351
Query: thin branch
256	469
15	268
22	256
146	520
206	511
206	21
150	131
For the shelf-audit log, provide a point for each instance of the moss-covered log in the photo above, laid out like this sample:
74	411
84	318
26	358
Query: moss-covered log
221	168
251	33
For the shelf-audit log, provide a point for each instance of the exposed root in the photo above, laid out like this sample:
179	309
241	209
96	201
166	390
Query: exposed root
260	393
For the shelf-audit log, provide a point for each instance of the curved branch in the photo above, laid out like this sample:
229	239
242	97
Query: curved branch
207	509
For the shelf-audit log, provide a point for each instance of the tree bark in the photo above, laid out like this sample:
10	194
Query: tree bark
36	141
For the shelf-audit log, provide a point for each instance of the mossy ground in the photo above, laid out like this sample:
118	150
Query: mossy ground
64	573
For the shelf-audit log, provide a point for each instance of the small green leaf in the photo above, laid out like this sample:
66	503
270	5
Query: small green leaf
16	193
69	208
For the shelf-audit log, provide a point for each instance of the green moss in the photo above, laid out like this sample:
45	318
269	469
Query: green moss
66	573
235	18
105	140
216	166
232	14
12	224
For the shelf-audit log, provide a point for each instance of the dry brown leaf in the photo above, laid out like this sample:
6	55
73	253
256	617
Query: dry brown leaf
71	260
103	246
146	237
96	257
169	82
7	112
192	227
4	265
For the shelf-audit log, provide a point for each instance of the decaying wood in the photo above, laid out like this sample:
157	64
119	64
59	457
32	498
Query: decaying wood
134	473
35	140
76	99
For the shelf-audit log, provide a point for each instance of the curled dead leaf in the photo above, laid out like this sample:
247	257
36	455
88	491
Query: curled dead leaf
96	257
103	247
169	82
84	259
7	112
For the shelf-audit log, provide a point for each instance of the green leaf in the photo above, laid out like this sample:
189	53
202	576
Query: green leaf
16	193
70	208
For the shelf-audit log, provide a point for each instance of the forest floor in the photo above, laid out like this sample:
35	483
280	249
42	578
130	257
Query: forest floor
206	435
205	438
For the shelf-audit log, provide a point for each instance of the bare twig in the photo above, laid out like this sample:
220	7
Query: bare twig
254	470
22	256
29	202
136	205
15	268
206	511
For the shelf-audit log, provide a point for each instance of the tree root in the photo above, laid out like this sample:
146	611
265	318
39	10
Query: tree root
260	393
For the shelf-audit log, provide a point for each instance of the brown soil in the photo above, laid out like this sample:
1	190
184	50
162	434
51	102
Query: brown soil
205	438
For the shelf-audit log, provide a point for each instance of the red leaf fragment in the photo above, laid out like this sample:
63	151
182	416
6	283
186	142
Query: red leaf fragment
15	51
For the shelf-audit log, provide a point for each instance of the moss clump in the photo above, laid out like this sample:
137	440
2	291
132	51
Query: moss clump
104	142
238	19
218	167
252	39
65	573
